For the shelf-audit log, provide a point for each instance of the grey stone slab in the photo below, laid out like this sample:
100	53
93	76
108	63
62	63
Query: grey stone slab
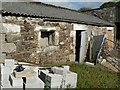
7	28
25	73
11	37
9	47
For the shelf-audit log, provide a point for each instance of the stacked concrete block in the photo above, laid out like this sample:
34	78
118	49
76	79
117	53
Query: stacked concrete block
42	75
66	67
51	80
2	41
6	84
60	70
5	71
70	80
15	82
9	63
34	82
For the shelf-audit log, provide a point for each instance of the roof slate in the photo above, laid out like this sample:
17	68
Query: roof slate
50	12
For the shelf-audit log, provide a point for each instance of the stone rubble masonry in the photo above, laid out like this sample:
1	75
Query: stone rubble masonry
27	44
8	47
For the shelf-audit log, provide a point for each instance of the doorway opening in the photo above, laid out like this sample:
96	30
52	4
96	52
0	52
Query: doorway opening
78	44
117	31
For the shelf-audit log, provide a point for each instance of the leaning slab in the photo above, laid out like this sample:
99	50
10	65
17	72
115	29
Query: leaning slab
25	73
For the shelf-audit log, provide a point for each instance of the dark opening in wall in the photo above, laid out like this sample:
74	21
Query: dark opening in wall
78	44
48	38
117	31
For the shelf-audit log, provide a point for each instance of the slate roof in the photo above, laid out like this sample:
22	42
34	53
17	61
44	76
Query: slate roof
50	12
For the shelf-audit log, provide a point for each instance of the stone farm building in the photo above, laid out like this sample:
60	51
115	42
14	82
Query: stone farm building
111	15
42	33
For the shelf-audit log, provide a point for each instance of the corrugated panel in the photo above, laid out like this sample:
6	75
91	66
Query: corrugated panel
50	11
117	14
97	42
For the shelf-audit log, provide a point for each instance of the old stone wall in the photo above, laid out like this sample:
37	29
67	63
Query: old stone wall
27	44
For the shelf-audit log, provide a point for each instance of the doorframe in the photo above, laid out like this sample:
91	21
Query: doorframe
78	45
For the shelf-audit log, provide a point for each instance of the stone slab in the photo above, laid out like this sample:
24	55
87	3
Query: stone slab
11	37
7	28
25	73
9	47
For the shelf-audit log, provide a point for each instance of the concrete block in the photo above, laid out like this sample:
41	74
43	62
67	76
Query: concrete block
4	78
53	80
9	47
70	80
6	70
66	67
15	82
9	63
34	82
42	75
6	84
60	70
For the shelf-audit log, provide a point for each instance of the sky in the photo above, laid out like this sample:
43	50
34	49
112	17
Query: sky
76	4
72	4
